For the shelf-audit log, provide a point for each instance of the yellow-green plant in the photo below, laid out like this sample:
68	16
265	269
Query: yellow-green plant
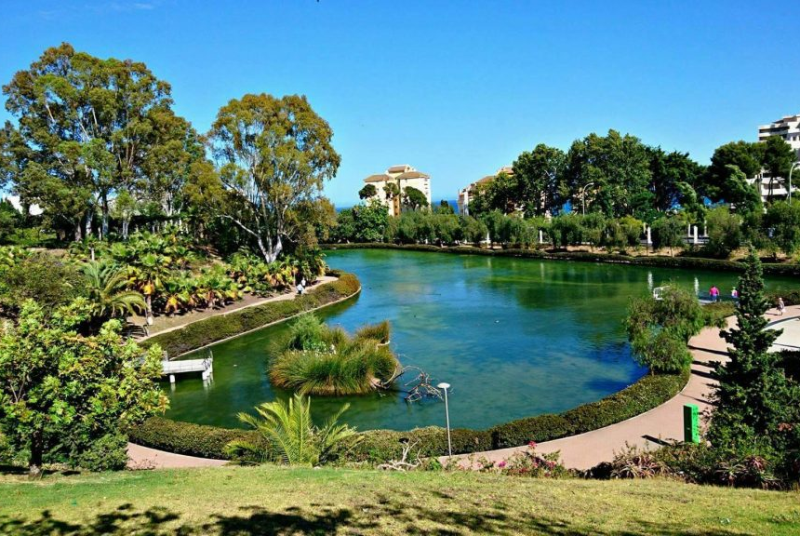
290	434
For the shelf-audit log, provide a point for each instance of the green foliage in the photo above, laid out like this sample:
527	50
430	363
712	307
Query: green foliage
757	406
381	332
367	191
784	221
667	233
323	361
724	232
105	289
276	155
61	392
107	453
538	176
49	280
414	198
291	435
188	438
659	329
216	328
362	223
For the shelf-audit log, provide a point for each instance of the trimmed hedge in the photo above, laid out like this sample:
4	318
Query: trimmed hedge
187	438
216	328
777	269
377	446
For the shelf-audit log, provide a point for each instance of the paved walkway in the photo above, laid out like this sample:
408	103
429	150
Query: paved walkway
164	324
140	457
649	429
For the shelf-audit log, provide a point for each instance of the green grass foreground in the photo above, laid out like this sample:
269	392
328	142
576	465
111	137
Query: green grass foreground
271	500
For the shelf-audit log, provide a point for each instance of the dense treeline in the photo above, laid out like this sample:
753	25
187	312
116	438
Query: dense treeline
722	230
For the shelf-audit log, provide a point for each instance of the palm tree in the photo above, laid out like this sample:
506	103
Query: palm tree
106	286
148	275
291	435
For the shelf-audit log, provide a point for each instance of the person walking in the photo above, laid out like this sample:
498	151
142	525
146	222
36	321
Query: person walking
735	294
714	293
781	306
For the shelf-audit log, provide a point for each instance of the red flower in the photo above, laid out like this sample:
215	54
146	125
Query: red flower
532	445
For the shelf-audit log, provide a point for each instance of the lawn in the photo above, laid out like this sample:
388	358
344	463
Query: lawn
270	500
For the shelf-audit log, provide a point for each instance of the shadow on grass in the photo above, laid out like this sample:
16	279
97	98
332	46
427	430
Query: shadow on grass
381	515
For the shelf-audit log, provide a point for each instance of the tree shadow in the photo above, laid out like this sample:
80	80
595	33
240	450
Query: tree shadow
467	514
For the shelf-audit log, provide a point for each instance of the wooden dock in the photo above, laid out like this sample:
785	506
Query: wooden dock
203	366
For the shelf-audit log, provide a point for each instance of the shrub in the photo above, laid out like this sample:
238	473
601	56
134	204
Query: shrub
379	332
216	328
188	438
109	453
323	361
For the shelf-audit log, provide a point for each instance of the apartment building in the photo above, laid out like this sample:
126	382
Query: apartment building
402	176
467	193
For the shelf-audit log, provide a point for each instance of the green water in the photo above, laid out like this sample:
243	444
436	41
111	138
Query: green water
514	337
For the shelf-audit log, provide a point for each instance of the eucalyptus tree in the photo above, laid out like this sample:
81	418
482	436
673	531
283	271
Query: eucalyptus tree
274	156
89	123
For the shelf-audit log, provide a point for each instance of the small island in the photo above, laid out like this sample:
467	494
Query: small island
319	360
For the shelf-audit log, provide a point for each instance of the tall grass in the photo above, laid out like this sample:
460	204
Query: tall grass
320	360
380	332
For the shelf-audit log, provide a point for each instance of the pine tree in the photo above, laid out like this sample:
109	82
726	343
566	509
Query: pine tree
754	397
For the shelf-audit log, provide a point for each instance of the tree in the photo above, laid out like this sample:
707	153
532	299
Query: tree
724	232
275	154
673	176
445	207
784	221
65	393
660	328
756	404
41	277
369	221
538	175
778	157
367	192
744	155
87	120
742	196
667	233
414	198
616	170
291	435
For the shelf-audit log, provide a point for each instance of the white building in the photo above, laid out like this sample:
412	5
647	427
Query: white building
402	176
787	128
466	194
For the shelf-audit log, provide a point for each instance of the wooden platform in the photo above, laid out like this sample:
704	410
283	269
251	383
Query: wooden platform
204	366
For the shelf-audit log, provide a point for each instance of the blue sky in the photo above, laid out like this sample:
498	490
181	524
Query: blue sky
456	89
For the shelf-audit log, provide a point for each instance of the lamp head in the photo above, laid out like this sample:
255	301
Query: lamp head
443	385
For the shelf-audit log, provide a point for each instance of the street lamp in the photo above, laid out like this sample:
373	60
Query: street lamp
583	196
794	165
444	387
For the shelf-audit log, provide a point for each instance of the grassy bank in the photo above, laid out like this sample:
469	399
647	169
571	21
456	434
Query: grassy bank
270	500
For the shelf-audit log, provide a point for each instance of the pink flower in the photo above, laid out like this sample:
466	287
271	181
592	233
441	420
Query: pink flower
501	464
532	445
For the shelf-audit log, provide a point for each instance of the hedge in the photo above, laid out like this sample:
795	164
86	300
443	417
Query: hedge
376	446
216	328
697	263
187	438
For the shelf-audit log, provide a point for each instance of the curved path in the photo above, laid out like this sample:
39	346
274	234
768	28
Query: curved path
140	457
648	430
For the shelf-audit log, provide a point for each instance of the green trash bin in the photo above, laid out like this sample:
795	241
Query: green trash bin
691	423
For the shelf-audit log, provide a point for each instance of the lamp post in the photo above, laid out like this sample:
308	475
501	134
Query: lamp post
583	196
444	387
791	169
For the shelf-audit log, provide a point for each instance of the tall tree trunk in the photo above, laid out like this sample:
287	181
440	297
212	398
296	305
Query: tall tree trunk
126	222
37	453
77	232
89	216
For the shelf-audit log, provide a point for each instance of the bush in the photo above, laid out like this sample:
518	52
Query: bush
379	332
216	328
647	393
109	453
187	438
323	361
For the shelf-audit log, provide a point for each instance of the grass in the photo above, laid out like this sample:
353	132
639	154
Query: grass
274	500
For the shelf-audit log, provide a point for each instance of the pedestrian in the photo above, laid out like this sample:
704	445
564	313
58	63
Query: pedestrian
735	294
781	306
714	293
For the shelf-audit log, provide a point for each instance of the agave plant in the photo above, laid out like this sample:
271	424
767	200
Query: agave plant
106	286
290	434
